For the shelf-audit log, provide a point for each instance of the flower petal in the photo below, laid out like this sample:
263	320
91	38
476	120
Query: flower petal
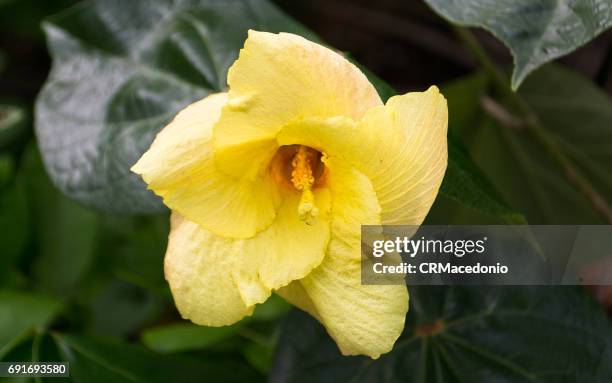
215	281
289	249
362	319
201	285
401	147
180	168
279	78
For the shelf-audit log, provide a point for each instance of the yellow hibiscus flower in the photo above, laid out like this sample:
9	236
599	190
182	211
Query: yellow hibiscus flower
270	182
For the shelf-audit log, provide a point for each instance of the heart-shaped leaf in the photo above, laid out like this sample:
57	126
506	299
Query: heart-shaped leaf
536	31
121	71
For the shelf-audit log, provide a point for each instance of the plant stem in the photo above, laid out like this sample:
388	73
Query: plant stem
533	123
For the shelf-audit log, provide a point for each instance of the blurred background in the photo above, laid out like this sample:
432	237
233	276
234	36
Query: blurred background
101	275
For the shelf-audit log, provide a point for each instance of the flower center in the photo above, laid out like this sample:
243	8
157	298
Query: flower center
301	169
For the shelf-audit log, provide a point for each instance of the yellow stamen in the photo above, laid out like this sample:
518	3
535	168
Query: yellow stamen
303	179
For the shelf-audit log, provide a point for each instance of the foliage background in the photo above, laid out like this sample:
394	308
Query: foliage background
86	286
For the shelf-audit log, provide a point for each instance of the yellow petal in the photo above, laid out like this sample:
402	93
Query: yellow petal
295	294
180	168
215	281
401	147
279	78
361	319
201	285
289	249
407	189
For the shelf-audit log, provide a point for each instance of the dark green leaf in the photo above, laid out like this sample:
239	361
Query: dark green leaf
132	307
95	360
180	337
466	184
466	334
136	248
65	232
20	314
577	115
536	31
121	71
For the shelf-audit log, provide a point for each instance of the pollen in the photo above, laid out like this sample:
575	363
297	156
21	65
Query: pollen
303	179
301	175
300	169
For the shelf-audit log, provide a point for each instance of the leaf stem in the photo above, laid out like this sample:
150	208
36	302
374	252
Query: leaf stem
533	123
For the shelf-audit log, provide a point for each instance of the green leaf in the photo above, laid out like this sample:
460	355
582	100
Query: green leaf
65	232
536	31
577	115
132	307
466	334
121	71
180	337
97	360
20	314
136	247
465	184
